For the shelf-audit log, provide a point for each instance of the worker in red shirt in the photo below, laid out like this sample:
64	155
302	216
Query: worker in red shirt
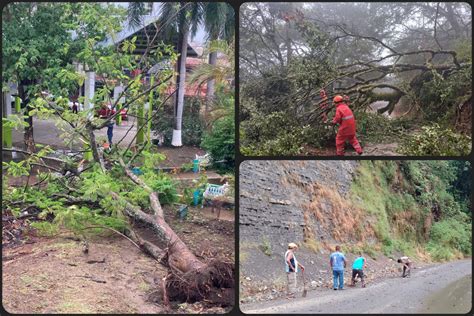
347	127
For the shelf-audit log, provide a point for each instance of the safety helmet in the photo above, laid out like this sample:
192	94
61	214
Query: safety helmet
337	99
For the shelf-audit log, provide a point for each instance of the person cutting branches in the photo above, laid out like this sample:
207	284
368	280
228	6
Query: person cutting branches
347	126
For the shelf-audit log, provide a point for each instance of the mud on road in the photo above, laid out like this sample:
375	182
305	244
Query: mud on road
448	284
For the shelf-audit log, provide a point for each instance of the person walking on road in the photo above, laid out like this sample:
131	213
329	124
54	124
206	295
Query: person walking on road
338	263
358	269
406	262
74	107
291	268
106	112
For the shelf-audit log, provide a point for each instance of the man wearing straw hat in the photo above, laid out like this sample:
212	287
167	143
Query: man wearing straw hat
292	265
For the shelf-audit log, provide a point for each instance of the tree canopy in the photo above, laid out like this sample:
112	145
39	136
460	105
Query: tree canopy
414	57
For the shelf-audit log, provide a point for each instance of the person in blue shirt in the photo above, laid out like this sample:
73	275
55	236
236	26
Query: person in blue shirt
338	263
358	269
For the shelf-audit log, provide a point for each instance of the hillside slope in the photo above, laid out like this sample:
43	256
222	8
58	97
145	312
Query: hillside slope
383	208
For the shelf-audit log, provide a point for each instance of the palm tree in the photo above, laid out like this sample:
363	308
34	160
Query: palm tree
185	18
219	21
135	13
181	17
223	74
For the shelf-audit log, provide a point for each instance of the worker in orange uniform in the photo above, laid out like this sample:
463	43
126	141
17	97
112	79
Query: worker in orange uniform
347	127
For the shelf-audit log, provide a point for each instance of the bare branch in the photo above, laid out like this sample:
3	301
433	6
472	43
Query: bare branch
30	154
435	23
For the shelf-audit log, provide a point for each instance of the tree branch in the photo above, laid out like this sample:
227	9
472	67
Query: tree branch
29	153
153	196
435	23
128	103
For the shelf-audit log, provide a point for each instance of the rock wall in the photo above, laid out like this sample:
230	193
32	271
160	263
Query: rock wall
274	193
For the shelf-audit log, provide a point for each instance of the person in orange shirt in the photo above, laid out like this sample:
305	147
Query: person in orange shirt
347	127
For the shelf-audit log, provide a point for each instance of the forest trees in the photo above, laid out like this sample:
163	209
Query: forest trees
409	61
76	192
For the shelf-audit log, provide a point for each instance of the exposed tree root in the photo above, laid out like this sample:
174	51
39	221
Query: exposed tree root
188	279
213	284
197	285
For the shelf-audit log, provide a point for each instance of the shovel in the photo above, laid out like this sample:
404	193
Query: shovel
305	291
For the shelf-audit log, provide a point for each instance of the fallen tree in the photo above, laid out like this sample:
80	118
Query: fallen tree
360	80
189	279
79	192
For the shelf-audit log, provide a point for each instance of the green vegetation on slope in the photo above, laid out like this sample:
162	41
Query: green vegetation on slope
417	205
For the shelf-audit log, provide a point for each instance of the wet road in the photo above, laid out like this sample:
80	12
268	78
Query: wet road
450	281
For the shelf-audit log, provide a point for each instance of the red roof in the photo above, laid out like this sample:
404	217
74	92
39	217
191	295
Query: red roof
192	90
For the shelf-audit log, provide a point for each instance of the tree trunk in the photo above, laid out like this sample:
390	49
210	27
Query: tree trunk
140	121
92	142
210	84
28	135
190	279
180	258
181	86
150	109
289	51
451	17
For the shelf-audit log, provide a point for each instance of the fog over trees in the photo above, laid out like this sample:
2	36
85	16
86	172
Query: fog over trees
408	61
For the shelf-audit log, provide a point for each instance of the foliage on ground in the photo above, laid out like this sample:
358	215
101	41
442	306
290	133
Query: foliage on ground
434	140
